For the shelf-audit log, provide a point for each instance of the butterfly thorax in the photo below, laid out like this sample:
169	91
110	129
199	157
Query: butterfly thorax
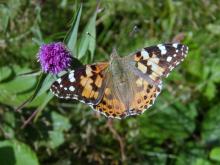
117	69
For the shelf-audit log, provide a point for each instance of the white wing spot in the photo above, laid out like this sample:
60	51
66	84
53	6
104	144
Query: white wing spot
162	49
175	45
187	49
59	80
65	88
61	85
71	77
71	88
145	54
169	59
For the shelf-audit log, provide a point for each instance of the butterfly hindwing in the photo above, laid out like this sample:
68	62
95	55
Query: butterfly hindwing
144	96
110	105
155	62
85	83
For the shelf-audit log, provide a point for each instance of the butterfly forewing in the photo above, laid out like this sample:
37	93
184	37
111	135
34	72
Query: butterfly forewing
155	62
85	84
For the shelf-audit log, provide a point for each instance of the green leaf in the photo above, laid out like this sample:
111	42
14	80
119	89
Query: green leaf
4	14
60	124
13	89
17	85
8	124
13	152
88	38
201	161
193	62
213	28
191	153
43	105
215	154
14	6
43	85
215	71
210	90
5	73
72	34
175	121
211	130
29	50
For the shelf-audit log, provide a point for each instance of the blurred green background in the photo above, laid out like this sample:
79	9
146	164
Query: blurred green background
182	127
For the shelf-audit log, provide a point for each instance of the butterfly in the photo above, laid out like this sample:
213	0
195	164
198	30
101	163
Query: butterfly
124	86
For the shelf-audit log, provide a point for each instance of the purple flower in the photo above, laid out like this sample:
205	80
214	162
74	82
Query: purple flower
54	57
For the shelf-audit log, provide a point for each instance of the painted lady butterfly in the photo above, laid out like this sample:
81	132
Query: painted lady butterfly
123	86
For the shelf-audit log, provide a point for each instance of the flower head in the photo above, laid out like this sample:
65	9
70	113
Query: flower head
54	57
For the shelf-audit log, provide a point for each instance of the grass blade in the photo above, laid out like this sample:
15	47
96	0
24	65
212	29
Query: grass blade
71	37
88	39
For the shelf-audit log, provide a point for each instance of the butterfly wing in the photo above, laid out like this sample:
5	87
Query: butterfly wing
144	96
85	84
153	63
110	104
150	65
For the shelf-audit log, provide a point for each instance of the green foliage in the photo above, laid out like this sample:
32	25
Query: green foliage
214	154
182	127
72	35
87	41
210	130
16	153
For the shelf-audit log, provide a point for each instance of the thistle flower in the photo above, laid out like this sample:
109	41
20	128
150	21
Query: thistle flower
54	57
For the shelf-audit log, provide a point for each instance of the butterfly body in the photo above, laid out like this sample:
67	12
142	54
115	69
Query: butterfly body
121	81
123	86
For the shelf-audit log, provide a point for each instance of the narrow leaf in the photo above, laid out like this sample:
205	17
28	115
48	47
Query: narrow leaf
88	39
71	38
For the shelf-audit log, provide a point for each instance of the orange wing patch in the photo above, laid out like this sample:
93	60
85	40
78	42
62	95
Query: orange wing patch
144	96
110	105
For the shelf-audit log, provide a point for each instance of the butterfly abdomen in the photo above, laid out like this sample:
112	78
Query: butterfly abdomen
120	79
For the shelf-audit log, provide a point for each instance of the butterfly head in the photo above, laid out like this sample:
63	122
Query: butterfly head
114	54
